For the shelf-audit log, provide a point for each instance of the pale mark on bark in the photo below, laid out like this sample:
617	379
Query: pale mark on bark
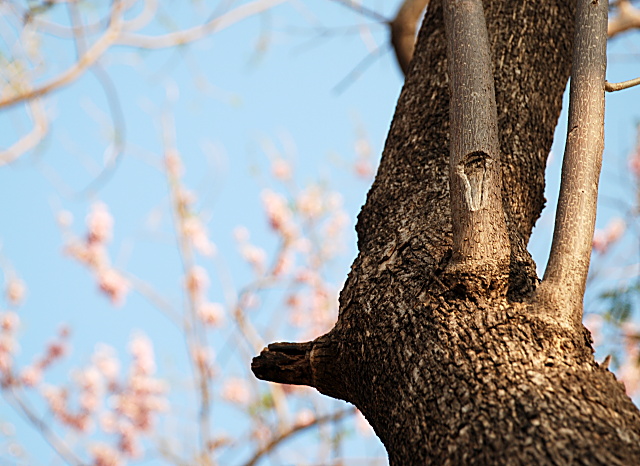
472	171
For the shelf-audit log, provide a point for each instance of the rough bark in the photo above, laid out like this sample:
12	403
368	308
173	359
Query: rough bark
448	373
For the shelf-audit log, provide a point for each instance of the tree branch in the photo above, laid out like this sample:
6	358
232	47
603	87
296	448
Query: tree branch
612	87
313	363
480	239
627	17
295	430
565	277
403	31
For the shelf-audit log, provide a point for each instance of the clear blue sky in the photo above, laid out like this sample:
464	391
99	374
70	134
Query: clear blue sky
271	77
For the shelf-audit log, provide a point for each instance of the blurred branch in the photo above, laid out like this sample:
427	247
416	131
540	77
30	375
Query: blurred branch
189	35
627	17
21	406
33	138
295	430
71	74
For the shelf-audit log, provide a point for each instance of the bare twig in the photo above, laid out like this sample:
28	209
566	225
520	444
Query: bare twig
198	32
612	87
31	139
295	430
89	58
47	433
564	280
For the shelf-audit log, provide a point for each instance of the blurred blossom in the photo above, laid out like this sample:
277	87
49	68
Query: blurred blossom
603	239
185	198
255	256
362	425
173	163
113	284
241	234
31	376
235	390
211	314
309	202
15	291
594	323
281	169
279	214
284	265
65	218
105	360
196	233
197	280
364	168
9	321
304	417
104	455
99	223
203	357
141	349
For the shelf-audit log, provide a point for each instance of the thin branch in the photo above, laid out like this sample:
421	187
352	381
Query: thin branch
481	245
47	433
627	17
31	139
612	87
358	8
71	74
296	430
564	280
403	31
198	32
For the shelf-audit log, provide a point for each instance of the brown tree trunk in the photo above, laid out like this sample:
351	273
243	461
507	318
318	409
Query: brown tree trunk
448	373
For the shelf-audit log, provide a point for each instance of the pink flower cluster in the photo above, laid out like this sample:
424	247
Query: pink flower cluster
56	350
603	239
92	252
9	322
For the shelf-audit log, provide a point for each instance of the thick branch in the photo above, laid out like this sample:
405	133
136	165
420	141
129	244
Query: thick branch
480	239
313	363
403	31
565	278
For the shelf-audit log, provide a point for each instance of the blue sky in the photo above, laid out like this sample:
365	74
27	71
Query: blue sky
273	78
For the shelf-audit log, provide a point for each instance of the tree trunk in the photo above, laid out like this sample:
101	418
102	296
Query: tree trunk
446	370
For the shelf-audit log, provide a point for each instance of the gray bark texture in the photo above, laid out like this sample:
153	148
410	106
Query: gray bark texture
446	369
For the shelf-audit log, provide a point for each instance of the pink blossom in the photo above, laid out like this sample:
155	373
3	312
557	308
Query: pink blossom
113	284
141	349
99	223
363	168
194	231
65	218
104	455
9	321
279	214
602	239
281	169
241	234
235	390
31	376
105	361
309	202
211	314
305	417
362	425
594	323
197	280
255	256
173	164
16	291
